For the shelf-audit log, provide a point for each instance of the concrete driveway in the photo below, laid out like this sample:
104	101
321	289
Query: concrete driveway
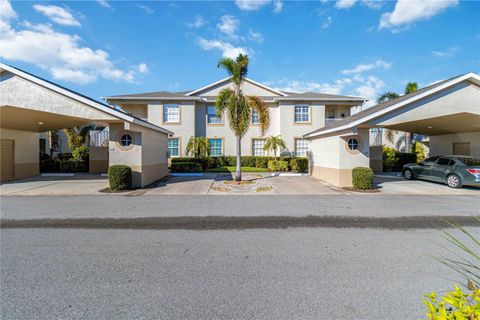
80	184
400	186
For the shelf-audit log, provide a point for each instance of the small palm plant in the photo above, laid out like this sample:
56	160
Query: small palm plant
274	143
198	147
77	136
238	106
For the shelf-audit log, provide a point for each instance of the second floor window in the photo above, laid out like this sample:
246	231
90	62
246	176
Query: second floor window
212	117
302	113
171	113
255	117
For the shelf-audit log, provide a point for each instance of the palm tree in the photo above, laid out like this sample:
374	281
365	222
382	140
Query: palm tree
77	136
389	95
239	106
411	87
274	143
198	147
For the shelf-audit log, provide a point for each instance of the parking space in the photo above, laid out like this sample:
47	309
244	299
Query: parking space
398	185
55	186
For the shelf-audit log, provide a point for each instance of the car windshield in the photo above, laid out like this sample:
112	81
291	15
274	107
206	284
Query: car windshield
470	161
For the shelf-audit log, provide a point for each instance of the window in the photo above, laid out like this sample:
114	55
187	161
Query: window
171	113
430	160
215	147
301	147
353	144
212	117
174	147
126	140
330	114
444	162
255	117
302	113
257	147
461	148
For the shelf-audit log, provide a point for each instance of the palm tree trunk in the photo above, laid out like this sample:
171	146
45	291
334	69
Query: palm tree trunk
238	173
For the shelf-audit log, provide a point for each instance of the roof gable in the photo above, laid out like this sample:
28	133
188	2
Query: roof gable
249	87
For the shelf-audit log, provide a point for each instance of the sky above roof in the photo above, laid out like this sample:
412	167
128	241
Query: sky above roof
358	48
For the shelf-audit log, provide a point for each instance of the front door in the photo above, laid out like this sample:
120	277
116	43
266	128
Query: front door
6	161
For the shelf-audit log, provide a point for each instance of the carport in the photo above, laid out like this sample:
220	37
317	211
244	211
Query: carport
448	112
30	105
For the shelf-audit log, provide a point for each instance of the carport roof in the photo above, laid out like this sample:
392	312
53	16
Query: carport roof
81	98
390	105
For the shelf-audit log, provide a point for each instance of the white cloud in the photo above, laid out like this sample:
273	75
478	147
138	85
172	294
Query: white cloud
229	26
57	15
104	3
251	5
367	67
147	9
373	4
227	49
327	22
370	88
447	53
277	6
142	68
199	22
344	4
407	12
61	54
255	36
7	12
311	86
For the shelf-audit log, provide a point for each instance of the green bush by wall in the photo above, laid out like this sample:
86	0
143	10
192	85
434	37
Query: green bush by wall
299	164
362	178
293	163
120	177
186	167
80	153
279	165
72	165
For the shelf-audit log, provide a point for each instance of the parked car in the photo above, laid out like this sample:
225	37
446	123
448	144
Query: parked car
455	171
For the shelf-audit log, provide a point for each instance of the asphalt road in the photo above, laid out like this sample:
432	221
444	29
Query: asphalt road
119	206
313	273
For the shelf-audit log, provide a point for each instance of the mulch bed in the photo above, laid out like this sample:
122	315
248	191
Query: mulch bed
108	190
361	190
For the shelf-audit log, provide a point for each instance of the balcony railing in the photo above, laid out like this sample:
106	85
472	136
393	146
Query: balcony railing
99	138
376	137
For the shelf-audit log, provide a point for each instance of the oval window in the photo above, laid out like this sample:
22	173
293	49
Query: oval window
125	140
353	144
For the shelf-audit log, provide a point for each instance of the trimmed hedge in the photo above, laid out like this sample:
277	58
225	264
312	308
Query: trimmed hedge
394	160
72	165
279	165
120	177
362	178
186	167
299	164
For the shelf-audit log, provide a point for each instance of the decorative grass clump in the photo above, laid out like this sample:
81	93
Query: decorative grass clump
264	189
239	183
221	189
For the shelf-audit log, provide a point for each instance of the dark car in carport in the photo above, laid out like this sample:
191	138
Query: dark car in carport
455	171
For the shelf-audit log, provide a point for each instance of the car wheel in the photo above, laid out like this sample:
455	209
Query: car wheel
408	174
453	181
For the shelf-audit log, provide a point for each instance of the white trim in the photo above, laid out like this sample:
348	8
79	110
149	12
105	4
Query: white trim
182	98
228	78
75	96
347	99
469	76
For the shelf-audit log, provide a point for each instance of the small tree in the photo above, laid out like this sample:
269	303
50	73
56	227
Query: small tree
77	136
274	143
387	96
411	87
198	147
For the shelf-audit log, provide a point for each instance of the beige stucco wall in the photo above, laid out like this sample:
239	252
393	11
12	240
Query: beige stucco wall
147	156
18	92
26	152
332	161
443	144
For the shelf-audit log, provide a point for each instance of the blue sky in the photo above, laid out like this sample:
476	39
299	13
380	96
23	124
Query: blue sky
349	47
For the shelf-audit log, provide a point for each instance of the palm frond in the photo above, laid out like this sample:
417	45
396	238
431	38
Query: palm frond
261	108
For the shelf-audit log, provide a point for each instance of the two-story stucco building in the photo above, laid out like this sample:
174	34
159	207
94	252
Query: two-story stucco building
193	113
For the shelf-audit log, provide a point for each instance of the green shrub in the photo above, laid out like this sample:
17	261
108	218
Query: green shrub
186	167
249	161
72	165
362	178
299	164
278	165
120	177
417	149
80	153
262	162
389	158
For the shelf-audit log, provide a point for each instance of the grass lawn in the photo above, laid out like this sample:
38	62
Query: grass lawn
232	169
